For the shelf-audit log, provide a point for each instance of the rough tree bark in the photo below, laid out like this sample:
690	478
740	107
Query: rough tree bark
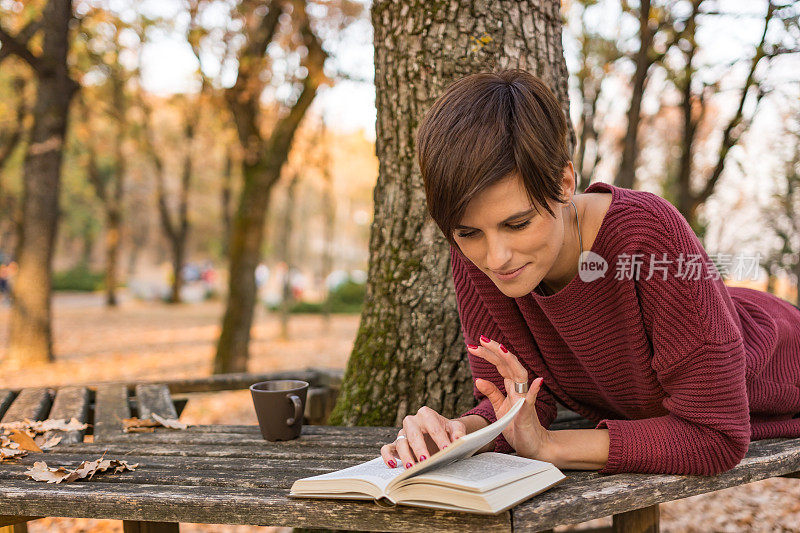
262	163
30	339
409	350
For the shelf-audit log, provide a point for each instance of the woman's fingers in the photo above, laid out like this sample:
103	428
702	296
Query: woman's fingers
389	455
506	362
404	451
534	391
435	425
493	393
416	440
528	416
456	429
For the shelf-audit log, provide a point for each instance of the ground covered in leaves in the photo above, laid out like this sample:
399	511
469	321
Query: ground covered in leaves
142	340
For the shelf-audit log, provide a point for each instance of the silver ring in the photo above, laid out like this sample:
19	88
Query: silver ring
521	388
400	437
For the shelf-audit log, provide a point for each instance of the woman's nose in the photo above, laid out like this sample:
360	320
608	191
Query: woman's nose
498	255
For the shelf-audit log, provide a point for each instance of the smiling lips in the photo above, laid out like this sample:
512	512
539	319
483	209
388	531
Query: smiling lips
512	274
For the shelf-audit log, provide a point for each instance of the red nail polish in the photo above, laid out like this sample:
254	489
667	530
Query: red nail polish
503	349
392	463
422	457
472	346
485	339
445	446
409	465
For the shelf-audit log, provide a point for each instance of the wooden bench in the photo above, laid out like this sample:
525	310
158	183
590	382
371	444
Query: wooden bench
229	474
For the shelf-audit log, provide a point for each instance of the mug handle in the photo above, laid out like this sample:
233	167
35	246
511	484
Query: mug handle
298	409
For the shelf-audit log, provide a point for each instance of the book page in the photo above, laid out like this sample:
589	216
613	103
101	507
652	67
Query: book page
483	472
462	447
374	471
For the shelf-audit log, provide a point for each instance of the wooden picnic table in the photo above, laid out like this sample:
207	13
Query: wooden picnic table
228	474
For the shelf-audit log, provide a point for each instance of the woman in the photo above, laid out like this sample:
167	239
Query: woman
678	371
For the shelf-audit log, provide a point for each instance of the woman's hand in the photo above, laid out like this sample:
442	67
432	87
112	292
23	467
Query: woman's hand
525	433
423	434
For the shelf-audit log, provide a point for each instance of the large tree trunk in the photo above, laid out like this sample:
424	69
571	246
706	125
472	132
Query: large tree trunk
409	350
30	339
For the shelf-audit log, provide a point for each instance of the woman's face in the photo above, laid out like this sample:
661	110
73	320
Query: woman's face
502	233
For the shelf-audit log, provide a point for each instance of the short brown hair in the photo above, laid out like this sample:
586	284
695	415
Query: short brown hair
485	127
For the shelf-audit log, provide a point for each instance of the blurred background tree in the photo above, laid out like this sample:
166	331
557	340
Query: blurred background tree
39	38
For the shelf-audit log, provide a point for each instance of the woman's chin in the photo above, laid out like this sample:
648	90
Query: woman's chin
515	288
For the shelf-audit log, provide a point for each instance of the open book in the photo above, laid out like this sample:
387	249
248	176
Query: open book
453	478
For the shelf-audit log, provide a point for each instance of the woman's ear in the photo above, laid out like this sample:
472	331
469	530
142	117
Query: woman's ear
568	182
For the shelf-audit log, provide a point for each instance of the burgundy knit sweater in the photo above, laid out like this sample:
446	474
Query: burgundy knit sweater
683	371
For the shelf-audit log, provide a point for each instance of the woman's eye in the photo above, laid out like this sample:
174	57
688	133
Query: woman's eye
519	226
516	227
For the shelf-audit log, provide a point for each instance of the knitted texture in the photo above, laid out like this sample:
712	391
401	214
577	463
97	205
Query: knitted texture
682	370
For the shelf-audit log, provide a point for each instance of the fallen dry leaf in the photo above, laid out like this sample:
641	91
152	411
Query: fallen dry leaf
25	441
86	470
50	443
43	426
10	453
6	442
138	425
171	423
41	472
148	425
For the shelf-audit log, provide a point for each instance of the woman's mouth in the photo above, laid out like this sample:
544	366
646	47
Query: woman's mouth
511	275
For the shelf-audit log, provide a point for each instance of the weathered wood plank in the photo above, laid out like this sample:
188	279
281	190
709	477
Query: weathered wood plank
110	408
316	377
289	469
138	526
229	506
33	403
588	495
637	521
311	454
306	430
277	482
172	436
155	398
70	402
6	397
246	475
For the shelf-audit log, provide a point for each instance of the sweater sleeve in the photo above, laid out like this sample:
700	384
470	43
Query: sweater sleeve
698	358
476	321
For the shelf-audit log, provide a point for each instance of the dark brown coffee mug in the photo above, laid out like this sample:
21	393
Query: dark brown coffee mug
280	405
